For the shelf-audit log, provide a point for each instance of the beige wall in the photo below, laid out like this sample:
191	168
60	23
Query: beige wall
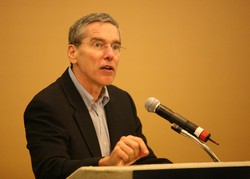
193	55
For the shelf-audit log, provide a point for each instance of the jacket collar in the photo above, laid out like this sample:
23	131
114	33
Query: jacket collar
81	114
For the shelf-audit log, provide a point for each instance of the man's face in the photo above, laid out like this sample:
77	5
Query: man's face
93	65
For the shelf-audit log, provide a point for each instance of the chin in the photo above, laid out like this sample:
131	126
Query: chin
107	81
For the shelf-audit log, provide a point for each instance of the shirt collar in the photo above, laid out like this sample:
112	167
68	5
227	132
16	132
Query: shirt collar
87	98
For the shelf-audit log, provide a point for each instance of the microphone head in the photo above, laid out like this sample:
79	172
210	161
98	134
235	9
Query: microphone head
151	104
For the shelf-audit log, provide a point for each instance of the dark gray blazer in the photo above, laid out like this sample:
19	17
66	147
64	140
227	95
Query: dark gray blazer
60	133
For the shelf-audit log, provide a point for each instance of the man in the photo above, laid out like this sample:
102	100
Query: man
81	119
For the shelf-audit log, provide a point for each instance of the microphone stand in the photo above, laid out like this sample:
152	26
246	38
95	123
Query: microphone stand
183	132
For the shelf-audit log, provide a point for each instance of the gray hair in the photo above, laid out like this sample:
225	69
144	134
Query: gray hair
76	31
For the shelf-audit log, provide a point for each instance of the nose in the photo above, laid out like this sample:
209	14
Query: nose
108	53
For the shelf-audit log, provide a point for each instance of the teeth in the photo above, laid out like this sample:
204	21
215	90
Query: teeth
107	68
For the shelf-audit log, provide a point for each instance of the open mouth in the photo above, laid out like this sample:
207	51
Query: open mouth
107	67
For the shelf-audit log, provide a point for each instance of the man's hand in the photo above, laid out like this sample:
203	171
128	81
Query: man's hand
127	150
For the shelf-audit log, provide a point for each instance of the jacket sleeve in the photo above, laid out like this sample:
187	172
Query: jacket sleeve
126	122
151	158
48	142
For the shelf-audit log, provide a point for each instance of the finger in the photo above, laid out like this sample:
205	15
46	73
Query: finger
126	152
111	160
142	146
120	163
130	146
137	145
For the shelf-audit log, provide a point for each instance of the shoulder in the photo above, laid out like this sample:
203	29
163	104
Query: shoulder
56	91
51	95
114	90
51	92
119	96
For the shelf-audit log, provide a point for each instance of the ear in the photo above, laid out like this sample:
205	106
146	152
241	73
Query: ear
72	53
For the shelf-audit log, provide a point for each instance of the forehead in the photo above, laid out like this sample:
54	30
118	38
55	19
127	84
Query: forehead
106	31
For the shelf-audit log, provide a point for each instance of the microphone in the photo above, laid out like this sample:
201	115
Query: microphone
153	105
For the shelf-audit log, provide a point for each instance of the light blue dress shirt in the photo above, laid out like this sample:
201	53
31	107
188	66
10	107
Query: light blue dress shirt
97	113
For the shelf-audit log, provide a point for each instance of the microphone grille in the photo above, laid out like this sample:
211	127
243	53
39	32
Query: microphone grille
151	104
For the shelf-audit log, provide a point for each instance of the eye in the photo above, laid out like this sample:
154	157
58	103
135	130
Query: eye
98	44
116	47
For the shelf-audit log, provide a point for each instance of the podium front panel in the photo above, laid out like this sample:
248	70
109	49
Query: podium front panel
195	173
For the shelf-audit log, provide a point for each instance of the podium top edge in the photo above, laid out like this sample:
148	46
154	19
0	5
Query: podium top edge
167	166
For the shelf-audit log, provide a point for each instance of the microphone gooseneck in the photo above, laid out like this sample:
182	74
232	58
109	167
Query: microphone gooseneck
153	105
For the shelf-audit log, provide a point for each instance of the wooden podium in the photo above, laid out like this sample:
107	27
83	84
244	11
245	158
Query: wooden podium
226	170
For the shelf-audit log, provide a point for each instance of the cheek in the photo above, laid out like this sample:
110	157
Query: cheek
116	61
87	60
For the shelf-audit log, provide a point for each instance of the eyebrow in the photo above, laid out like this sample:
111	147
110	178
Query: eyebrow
103	40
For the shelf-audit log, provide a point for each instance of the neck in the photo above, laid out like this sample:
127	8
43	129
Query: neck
93	89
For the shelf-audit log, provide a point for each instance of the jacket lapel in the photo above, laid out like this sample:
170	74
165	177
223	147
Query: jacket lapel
86	126
81	115
113	122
